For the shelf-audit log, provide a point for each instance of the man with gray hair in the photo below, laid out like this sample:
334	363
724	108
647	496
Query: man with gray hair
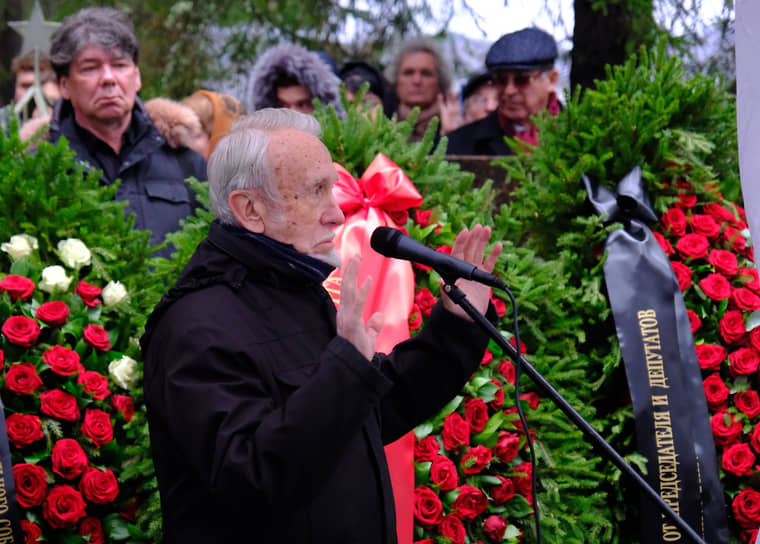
268	410
94	54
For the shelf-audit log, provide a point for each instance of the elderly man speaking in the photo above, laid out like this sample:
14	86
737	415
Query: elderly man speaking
268	410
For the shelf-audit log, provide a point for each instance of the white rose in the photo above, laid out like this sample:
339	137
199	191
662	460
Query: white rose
20	245
124	372
54	278
74	253
113	293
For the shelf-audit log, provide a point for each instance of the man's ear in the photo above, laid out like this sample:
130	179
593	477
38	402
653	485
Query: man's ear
63	85
553	76
249	209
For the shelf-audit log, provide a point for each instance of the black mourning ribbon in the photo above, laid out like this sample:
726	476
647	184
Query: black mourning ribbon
671	417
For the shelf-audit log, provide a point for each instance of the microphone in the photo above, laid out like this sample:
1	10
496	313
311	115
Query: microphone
395	244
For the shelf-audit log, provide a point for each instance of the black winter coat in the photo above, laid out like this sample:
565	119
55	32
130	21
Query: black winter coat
482	137
152	173
267	427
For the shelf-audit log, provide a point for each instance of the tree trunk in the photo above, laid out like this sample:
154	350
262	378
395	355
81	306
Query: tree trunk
605	36
10	44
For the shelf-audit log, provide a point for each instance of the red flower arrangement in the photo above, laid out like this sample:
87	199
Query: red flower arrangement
66	425
714	268
469	471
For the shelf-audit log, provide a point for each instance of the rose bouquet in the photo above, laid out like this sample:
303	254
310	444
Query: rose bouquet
67	389
710	251
473	470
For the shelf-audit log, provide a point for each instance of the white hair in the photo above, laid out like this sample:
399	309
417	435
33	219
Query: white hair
240	160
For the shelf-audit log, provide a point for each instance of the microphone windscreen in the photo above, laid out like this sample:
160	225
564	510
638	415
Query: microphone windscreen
384	240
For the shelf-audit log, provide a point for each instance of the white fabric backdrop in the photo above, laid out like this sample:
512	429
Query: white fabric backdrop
748	109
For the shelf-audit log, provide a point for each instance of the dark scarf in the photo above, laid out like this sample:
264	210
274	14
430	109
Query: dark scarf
310	267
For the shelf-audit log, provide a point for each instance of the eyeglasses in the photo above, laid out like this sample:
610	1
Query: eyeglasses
520	79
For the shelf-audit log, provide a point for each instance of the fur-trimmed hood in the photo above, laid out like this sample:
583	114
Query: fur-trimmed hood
298	63
176	122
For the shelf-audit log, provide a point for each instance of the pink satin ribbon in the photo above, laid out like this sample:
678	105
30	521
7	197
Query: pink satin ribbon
367	203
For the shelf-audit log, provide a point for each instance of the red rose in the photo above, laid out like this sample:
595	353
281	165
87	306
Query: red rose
749	536
507	446
97	337
498	396
683	274
94	383
507	369
415	318
59	404
494	527
693	246
523	349
716	286
18	287
21	330
504	491
91	527
99	486
443	473
738	459
726	428
724	262
720	213
64	507
743	362
749	277
732	235
694	321
746	507
97	426
425	301
531	398
455	432
23	429
523	482
475	460
748	402
32	532
451	527
732	326
63	361
704	225
476	413
711	356
754	338
125	405
428	509
22	378
687	200
754	439
744	299
470	503
487	357
54	313
422	217
88	293
674	222
426	449
499	305
69	459
399	217
664	244
31	484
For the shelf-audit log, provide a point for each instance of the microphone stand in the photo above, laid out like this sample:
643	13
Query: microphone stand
459	298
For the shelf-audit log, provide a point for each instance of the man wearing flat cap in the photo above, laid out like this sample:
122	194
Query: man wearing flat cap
522	67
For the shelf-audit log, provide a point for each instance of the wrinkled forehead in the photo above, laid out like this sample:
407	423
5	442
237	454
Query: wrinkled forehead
93	51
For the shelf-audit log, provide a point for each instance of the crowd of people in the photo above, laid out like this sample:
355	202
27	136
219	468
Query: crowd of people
267	405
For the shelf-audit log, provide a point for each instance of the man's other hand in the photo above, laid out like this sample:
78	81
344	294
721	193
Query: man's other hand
350	320
470	246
